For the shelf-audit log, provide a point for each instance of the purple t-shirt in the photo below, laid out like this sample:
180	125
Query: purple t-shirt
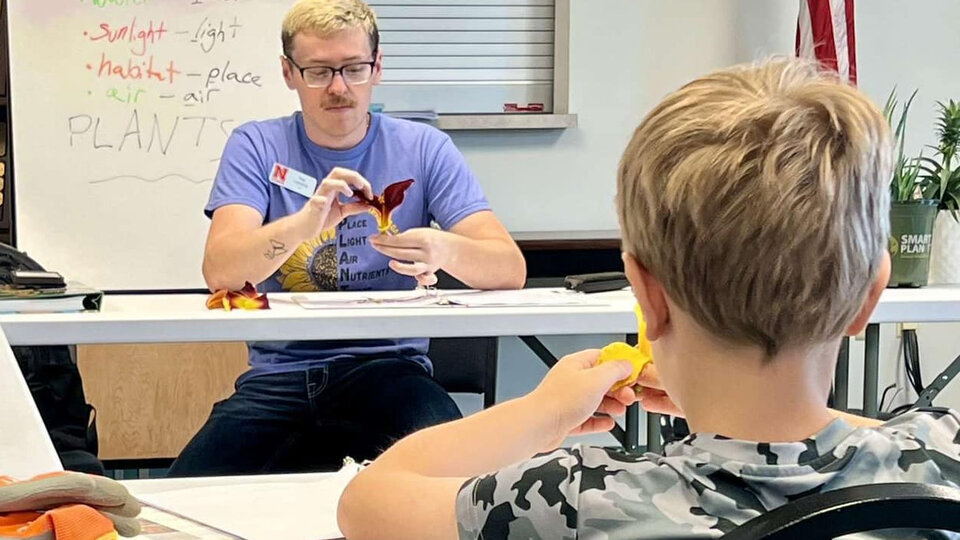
444	190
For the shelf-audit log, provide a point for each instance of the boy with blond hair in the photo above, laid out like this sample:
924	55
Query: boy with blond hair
754	207
287	214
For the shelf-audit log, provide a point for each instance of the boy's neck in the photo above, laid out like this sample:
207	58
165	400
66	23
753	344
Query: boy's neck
733	391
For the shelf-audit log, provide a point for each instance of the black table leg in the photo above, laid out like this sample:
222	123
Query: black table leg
871	366
841	381
633	420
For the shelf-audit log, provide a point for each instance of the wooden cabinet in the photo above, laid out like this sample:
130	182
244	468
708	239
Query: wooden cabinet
152	398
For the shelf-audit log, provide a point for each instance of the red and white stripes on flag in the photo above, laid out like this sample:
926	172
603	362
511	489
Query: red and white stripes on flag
825	32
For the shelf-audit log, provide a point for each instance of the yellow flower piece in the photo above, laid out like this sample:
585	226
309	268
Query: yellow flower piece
638	356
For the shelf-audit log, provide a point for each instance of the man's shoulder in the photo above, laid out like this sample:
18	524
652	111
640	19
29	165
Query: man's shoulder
271	139
271	127
400	129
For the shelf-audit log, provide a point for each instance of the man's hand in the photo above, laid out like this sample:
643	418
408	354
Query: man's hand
577	392
416	252
324	210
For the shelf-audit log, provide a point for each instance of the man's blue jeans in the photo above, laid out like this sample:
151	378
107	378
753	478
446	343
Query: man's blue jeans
310	420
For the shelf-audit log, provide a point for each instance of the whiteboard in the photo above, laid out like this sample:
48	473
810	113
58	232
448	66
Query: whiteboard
121	109
117	142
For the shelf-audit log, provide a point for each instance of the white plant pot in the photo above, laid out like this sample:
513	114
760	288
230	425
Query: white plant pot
945	253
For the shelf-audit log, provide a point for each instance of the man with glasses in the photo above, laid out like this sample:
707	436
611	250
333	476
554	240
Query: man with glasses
286	215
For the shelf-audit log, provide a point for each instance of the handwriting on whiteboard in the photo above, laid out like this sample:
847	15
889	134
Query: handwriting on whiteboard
153	81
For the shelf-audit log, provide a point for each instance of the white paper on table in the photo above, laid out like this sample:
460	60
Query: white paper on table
263	511
25	446
367	300
520	298
155	524
431	298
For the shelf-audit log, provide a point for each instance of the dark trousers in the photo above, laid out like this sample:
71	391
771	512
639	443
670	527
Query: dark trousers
310	420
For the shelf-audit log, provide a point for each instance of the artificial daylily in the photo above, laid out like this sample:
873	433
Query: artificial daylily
639	355
382	206
246	298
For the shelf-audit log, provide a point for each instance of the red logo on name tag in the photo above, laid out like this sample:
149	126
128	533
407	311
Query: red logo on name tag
280	173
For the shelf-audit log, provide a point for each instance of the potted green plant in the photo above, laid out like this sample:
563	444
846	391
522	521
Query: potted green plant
941	179
912	215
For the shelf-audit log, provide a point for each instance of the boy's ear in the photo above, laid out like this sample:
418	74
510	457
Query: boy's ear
873	296
649	294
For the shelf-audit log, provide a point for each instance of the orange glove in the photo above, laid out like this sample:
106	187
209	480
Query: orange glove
74	522
639	356
67	506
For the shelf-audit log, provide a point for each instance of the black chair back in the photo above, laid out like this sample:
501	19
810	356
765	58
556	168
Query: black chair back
857	509
465	364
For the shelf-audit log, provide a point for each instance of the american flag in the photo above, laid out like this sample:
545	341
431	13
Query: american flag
825	32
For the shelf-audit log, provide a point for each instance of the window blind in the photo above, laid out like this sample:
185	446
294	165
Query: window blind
469	56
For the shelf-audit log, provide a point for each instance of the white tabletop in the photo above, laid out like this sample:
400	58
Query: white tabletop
184	318
936	303
299	506
160	485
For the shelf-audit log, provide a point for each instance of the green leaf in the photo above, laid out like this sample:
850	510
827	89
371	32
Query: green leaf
906	177
890	105
955	207
900	132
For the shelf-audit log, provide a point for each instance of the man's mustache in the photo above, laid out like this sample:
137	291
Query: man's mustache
339	102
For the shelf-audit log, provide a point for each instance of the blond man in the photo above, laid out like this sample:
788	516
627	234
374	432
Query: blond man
285	214
753	206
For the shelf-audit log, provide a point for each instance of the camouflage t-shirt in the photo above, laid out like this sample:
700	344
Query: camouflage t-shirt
704	485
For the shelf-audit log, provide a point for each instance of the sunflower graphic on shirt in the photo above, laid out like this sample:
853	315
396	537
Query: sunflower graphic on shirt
313	266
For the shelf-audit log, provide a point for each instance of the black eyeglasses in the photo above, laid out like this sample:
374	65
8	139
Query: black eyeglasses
322	76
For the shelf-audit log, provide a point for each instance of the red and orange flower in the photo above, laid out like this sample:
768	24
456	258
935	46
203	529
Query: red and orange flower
382	206
246	298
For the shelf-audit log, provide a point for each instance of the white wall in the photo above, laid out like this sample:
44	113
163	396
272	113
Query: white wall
627	54
911	45
923	59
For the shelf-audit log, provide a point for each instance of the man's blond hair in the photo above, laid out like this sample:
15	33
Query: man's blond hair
326	17
758	196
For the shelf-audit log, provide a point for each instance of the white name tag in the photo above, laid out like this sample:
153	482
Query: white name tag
294	180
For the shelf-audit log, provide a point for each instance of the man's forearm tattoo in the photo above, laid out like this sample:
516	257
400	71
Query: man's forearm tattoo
277	248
